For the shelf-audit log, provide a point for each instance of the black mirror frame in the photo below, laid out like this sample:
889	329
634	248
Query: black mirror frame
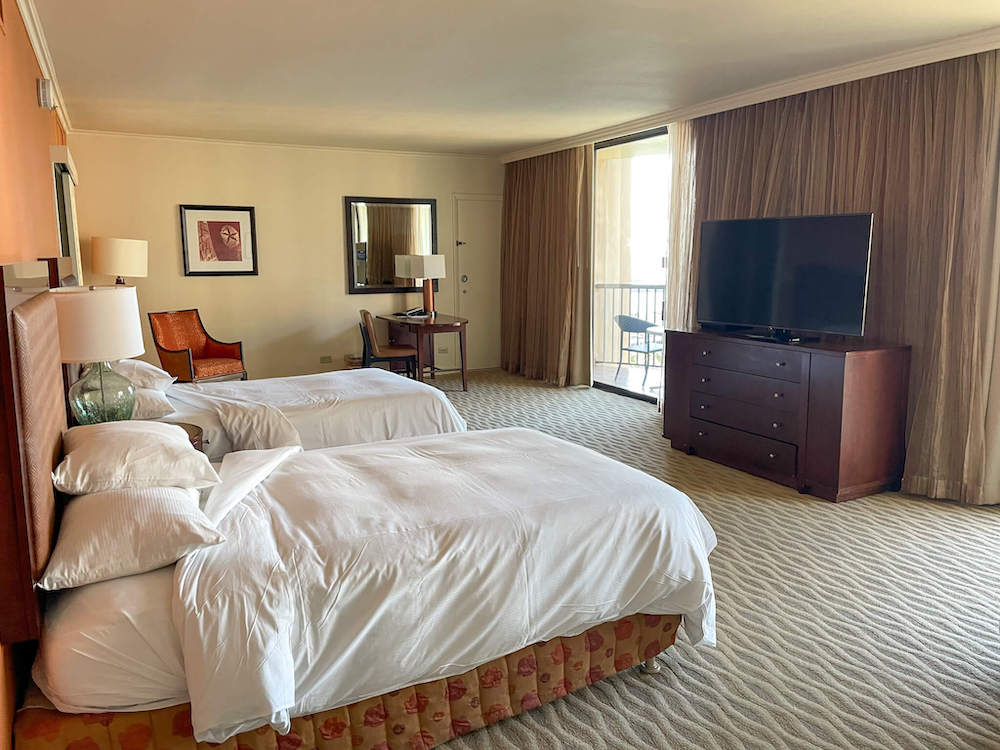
352	287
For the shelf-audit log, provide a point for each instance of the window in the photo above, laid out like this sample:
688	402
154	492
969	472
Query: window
630	243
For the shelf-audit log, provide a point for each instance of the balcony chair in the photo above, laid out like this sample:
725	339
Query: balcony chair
629	327
376	352
187	351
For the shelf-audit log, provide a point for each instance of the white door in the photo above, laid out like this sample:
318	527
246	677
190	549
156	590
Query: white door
477	251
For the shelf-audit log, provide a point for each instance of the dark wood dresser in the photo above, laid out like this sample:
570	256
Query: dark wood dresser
826	419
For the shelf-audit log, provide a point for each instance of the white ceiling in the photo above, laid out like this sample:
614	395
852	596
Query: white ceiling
476	76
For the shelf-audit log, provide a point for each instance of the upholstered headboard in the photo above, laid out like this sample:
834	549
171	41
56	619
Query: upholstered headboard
43	417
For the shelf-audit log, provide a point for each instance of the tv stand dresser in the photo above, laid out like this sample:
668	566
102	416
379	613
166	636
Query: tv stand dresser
826	419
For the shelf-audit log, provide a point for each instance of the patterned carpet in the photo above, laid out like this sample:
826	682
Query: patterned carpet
869	624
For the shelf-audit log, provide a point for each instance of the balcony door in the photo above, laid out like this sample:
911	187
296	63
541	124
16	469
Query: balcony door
631	192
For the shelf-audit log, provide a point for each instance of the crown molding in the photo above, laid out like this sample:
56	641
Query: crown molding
270	144
36	35
959	46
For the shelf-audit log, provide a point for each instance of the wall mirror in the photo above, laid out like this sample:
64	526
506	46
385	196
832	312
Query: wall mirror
379	229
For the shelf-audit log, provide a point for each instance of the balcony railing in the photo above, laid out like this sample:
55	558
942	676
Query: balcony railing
643	301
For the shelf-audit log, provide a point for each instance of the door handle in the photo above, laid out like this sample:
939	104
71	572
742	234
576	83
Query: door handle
465	278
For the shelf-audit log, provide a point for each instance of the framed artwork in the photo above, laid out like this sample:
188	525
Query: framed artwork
219	240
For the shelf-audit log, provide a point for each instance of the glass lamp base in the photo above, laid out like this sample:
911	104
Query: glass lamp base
101	395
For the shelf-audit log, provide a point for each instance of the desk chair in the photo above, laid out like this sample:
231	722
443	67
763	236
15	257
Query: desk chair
189	353
629	327
376	352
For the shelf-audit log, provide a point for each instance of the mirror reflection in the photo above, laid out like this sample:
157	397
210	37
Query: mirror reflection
379	229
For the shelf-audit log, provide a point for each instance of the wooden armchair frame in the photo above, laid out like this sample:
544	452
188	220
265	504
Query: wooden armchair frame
180	362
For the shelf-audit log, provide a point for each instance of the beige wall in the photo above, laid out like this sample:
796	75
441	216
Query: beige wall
297	309
27	199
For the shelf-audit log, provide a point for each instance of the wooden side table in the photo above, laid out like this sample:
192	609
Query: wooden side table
437	323
195	435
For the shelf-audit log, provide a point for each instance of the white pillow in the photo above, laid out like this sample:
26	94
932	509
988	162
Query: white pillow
151	404
123	532
143	375
130	455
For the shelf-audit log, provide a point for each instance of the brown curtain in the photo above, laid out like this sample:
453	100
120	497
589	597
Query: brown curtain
917	147
545	276
392	230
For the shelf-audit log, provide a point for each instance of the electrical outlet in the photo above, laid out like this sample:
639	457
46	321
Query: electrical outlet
326	359
442	350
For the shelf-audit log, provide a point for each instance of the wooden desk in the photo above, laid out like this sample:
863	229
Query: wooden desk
425	328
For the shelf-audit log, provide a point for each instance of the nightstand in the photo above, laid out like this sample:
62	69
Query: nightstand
194	434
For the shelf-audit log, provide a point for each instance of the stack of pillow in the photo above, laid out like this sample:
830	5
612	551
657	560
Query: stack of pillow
150	384
136	502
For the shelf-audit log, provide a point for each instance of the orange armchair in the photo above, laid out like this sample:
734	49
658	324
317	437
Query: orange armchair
187	351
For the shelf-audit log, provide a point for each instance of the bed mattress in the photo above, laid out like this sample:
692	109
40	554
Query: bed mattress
112	644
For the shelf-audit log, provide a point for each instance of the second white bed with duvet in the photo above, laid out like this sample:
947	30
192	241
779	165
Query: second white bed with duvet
315	411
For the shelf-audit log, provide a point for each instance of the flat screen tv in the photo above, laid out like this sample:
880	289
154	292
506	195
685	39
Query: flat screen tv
795	274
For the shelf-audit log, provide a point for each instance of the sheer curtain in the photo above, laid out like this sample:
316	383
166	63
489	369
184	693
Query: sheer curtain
545	267
917	147
612	217
678	314
612	258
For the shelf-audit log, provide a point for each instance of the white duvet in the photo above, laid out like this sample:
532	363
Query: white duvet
316	411
355	571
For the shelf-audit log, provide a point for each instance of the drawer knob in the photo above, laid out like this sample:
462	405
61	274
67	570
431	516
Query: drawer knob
702	433
706	380
705	352
776	425
772	455
703	407
778	395
779	363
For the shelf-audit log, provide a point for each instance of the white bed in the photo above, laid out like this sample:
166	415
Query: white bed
314	411
340	580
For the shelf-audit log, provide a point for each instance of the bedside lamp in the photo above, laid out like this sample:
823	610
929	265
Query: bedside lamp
98	326
426	267
118	257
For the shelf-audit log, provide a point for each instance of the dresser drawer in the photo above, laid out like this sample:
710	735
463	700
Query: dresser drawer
754	389
742	449
766	421
782	364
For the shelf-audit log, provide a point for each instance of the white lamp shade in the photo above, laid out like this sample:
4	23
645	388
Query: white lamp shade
420	266
428	267
404	266
118	257
99	324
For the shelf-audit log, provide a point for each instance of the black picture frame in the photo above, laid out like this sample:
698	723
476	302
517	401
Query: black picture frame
186	250
352	286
